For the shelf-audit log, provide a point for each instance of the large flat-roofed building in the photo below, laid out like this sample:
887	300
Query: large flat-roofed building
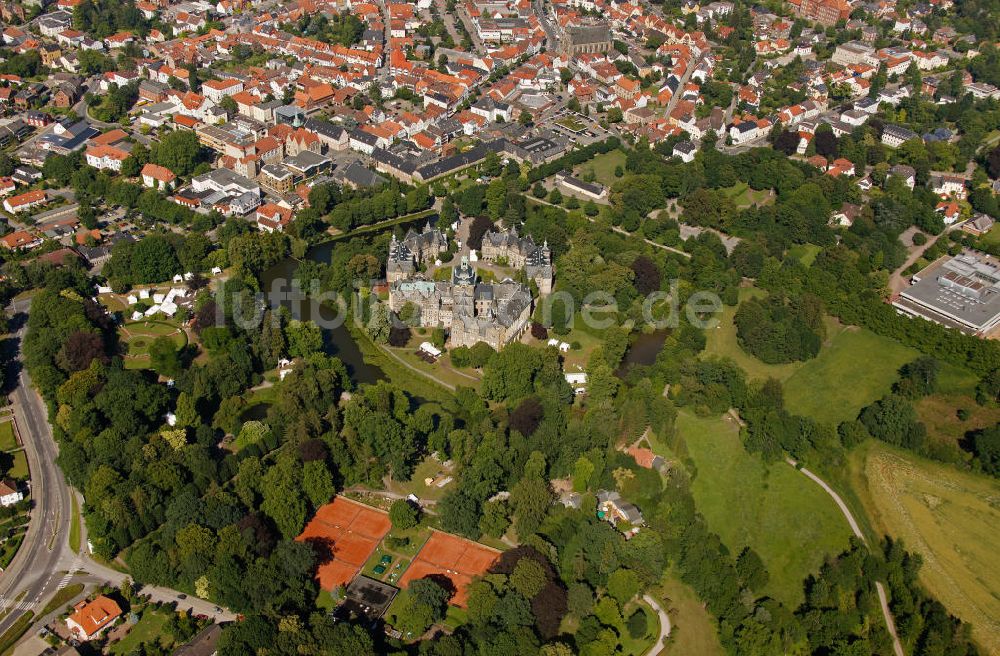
962	292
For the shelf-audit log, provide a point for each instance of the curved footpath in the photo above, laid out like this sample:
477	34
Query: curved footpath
665	627
890	623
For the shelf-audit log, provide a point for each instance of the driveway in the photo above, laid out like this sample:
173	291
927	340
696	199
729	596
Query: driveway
665	627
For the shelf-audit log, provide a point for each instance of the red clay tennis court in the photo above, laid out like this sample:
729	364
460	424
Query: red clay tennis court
455	558
354	530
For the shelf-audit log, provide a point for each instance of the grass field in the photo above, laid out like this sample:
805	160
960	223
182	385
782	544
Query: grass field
743	196
939	412
693	629
428	468
149	629
804	253
140	336
7	440
949	517
603	167
19	470
789	521
991	238
856	368
639	646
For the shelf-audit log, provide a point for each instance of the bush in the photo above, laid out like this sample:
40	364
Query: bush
638	624
777	330
919	239
403	514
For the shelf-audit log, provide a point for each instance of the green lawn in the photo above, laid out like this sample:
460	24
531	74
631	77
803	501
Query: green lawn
19	470
139	336
788	520
743	196
804	253
428	468
639	646
571	123
992	238
149	629
856	368
74	526
7	440
603	167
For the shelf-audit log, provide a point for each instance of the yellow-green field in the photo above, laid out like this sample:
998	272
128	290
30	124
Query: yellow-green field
788	520
693	629
950	518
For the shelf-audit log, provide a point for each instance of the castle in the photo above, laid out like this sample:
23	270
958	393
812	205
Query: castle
520	253
496	314
415	249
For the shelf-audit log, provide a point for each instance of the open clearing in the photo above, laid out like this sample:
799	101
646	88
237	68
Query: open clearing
743	196
693	629
856	368
939	412
603	167
790	522
947	516
139	336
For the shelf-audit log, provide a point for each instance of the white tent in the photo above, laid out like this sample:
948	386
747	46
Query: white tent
137	316
143	294
178	278
216	271
153	309
554	342
131	299
430	349
158	297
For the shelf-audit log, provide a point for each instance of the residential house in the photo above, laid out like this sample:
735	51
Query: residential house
90	619
905	173
24	202
273	218
9	493
158	177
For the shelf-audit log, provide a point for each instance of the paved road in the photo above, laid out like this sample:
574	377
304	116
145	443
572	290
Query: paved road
35	569
552	39
890	622
665	627
45	563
